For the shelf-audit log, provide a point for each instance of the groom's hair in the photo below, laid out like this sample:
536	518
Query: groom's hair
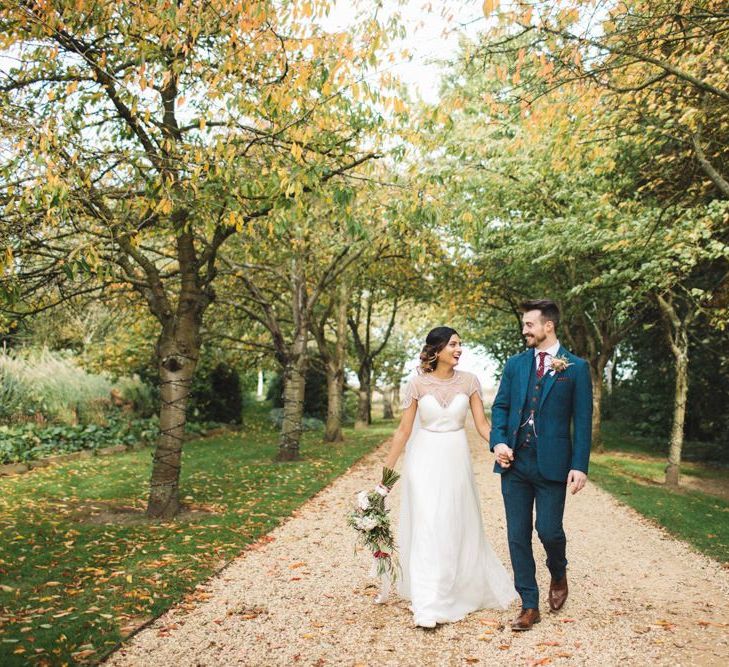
548	309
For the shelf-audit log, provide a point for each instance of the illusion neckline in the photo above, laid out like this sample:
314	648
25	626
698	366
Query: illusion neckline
442	380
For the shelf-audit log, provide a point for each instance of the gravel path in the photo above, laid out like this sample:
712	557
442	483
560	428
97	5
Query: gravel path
300	597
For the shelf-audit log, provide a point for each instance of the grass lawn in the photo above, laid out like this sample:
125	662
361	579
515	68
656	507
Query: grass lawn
71	586
618	436
632	469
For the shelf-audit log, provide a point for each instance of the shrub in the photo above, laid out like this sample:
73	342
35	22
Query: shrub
47	386
139	395
315	392
28	442
216	394
308	423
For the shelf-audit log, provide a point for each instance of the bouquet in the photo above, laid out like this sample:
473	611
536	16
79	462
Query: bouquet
371	521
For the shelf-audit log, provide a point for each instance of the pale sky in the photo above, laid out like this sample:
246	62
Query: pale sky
433	28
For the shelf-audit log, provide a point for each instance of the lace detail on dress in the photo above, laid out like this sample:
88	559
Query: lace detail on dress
443	391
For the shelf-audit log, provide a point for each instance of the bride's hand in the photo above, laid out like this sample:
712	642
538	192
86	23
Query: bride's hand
504	455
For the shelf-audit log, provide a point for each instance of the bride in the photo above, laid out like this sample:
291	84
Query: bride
448	567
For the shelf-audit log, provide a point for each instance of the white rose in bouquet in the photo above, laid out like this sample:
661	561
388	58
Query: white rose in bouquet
369	523
362	500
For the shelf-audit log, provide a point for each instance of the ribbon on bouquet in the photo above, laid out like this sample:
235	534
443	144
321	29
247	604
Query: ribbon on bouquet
384	576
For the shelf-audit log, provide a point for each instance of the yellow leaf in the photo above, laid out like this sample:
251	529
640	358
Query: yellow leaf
490	6
164	206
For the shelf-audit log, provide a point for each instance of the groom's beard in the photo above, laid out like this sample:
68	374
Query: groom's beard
532	340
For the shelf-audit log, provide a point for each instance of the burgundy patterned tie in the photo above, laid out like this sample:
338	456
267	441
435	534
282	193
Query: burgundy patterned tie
540	366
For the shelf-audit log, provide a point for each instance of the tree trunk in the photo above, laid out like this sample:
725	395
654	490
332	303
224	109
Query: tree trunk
364	395
178	350
597	441
610	376
259	386
673	469
335	389
677	329
387	412
335	371
293	399
597	374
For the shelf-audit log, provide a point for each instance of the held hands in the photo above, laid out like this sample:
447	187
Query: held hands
504	455
576	481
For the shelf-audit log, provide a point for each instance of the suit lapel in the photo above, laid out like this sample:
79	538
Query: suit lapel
549	380
524	371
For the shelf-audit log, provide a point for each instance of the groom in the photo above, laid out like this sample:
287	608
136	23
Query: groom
540	434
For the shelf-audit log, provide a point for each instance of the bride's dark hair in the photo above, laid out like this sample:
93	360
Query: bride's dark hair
435	341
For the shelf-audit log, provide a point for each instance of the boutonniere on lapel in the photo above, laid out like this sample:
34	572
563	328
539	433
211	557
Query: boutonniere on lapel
560	364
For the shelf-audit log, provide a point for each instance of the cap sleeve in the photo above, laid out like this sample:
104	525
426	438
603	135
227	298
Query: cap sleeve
473	386
413	391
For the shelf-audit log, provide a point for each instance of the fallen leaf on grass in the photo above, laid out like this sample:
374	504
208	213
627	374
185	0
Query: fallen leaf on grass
297	565
80	655
504	647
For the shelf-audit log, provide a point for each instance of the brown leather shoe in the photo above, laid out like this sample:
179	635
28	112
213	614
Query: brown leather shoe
557	593
525	620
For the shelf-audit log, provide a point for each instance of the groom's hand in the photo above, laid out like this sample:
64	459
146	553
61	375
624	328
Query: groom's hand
576	481
504	455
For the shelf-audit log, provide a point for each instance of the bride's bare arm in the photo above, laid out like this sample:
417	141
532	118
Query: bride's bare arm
482	424
401	434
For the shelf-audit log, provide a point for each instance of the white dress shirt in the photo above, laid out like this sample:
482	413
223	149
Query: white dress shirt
551	352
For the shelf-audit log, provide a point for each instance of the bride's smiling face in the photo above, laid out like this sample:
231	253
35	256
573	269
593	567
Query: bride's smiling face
451	353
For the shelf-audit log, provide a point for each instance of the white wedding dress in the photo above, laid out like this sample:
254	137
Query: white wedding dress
448	566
